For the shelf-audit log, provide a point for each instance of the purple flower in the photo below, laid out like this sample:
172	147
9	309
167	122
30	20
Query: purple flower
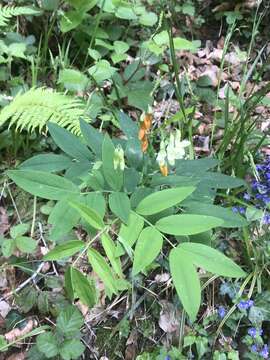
167	357
235	209
252	332
221	312
264	352
254	348
266	219
242	210
244	305
247	196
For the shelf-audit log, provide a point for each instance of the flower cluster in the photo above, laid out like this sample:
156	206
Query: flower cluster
245	305
260	194
145	126
118	158
253	332
262	351
171	150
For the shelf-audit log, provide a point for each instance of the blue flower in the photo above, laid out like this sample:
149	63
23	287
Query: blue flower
245	305
252	332
266	219
264	352
235	209
247	196
254	348
221	312
167	357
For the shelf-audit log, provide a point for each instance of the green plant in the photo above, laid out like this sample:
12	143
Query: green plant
18	241
139	204
33	109
64	340
7	12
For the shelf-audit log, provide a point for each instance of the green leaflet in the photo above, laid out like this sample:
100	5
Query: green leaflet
43	184
147	249
65	250
164	199
186	224
186	281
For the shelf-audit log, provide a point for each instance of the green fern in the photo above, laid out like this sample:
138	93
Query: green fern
7	12
36	107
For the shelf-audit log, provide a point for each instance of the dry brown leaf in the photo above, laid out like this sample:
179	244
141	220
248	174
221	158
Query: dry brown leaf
4	224
132	345
4	308
169	317
16	333
17	356
162	278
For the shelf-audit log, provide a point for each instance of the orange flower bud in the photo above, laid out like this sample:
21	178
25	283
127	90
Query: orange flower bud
148	121
164	170
144	144
141	134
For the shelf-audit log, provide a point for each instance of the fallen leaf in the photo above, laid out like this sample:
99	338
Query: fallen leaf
169	317
4	308
4	224
16	333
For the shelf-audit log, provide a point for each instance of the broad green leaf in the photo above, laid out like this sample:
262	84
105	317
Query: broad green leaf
19	230
148	19
128	126
129	233
211	260
95	200
8	246
186	224
26	244
83	5
120	47
103	271
184	44
230	219
120	205
71	349
93	137
221	181
47	344
73	80
43	184
63	217
70	20
82	288
147	249
126	13
110	250
69	321
68	284
47	162
65	250
113	177
163	199
90	215
69	143
102	70
186	281
195	167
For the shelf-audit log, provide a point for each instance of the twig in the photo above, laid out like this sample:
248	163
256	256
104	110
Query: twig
13	203
22	285
45	244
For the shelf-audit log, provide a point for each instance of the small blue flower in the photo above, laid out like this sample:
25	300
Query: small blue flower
266	219
235	209
245	305
221	312
264	352
247	196
167	357
252	332
254	348
242	210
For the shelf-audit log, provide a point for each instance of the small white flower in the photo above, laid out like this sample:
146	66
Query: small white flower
161	157
118	158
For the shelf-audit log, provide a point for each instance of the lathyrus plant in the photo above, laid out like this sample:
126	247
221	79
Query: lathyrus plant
116	192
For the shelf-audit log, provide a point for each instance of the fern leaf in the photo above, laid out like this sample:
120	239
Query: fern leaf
33	109
7	12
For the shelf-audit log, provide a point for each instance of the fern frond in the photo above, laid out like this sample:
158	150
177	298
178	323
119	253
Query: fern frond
7	12
36	107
